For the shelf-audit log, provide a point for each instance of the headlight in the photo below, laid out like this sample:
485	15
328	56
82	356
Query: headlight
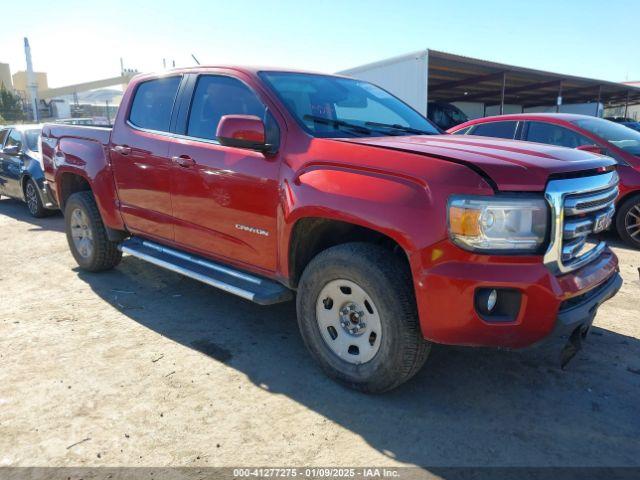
505	224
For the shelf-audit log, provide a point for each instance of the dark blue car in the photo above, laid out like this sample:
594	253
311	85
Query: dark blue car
627	122
21	174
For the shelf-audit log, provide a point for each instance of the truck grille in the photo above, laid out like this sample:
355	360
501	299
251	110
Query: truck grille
580	208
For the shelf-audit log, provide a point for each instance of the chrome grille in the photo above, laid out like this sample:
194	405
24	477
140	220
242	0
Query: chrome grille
580	207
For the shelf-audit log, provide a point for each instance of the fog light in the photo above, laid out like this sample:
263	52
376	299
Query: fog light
496	305
491	300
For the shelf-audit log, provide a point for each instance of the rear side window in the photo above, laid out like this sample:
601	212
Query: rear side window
495	129
551	134
3	136
153	102
215	97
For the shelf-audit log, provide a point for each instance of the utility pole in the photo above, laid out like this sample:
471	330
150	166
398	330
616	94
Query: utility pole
32	86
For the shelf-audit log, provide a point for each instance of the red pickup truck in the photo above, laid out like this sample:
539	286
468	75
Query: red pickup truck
266	182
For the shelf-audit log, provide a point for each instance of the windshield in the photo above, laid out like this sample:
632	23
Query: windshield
32	137
622	137
333	107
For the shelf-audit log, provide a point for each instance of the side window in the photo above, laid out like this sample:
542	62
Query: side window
15	138
555	135
462	131
3	136
495	129
153	102
217	96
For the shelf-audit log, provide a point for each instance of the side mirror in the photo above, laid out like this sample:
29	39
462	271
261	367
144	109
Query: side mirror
11	150
591	148
242	131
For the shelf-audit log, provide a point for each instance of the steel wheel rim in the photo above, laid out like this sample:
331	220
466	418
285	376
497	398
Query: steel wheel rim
349	321
32	199
81	233
632	222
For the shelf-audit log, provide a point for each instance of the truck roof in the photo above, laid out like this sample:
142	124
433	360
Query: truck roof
246	69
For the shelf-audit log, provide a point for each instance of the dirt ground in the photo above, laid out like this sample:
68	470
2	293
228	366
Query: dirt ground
142	367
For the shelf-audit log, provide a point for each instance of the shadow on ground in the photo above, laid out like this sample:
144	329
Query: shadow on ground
18	210
467	406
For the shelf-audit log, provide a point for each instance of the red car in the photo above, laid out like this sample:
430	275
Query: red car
584	133
269	184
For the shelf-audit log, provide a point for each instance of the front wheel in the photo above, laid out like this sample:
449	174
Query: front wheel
357	316
628	221
87	236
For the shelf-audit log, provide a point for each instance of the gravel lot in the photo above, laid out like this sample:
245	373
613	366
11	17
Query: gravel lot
142	367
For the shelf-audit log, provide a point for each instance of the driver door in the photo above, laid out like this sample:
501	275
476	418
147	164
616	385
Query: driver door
11	165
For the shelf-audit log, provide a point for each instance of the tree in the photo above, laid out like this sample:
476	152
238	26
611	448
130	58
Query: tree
10	106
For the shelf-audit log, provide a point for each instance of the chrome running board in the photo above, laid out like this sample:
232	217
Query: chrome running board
248	286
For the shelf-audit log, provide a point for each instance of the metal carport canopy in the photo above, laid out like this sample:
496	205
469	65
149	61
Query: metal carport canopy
455	78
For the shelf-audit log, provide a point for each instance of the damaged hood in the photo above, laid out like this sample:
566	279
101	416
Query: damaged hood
511	165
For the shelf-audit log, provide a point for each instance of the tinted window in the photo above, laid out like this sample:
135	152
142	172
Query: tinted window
621	136
32	137
462	131
14	139
495	129
3	136
153	102
327	106
215	97
555	135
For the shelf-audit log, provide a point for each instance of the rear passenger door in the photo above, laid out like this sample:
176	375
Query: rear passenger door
502	129
140	158
552	134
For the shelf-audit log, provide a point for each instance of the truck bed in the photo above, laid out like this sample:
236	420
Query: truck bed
93	133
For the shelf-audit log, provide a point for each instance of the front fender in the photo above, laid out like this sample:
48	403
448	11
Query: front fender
409	210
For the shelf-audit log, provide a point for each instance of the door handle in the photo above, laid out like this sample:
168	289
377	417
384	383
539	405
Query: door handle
122	149
184	161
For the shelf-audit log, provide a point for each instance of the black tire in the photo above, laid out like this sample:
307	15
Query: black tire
33	200
628	221
387	281
104	254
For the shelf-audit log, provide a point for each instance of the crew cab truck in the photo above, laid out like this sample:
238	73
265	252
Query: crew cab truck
272	184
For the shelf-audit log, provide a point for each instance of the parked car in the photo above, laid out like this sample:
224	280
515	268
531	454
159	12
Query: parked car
584	133
445	115
264	183
21	174
627	122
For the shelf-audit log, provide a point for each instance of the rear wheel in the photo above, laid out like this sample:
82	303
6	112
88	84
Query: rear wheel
358	318
87	236
628	221
34	202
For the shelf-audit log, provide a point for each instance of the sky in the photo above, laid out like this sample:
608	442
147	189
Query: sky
77	41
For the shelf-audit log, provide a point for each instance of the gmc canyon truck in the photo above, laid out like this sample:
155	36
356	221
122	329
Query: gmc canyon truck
263	183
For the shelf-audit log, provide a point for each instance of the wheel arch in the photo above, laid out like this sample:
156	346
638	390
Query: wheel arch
313	234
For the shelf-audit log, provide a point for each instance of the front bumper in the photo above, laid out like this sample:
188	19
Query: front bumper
575	318
550	305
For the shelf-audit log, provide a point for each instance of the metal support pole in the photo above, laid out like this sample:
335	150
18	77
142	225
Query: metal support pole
559	99
504	86
599	98
626	105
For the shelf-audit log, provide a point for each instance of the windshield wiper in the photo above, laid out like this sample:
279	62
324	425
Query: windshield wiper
339	123
397	126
